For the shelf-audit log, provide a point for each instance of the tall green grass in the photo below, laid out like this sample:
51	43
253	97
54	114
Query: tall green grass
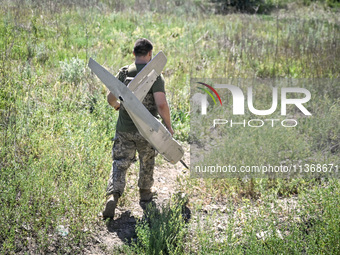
304	224
56	127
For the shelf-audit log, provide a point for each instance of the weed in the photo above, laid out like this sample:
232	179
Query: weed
163	230
56	127
72	70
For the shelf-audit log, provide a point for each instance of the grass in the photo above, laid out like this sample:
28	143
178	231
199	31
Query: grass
56	127
305	224
272	143
163	231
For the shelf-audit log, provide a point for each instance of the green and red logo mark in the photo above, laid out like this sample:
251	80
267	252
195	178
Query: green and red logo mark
209	93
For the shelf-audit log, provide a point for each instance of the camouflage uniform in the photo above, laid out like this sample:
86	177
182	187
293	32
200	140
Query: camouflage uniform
123	154
128	140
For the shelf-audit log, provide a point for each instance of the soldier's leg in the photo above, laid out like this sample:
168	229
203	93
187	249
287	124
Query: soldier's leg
123	154
147	156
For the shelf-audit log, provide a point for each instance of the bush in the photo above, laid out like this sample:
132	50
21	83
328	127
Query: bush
72	70
245	6
164	231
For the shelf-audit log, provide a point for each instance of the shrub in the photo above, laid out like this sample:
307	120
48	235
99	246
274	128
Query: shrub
72	70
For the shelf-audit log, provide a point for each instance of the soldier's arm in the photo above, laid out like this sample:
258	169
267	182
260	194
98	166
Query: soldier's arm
163	109
111	99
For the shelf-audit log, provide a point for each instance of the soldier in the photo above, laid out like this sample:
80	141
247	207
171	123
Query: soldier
128	140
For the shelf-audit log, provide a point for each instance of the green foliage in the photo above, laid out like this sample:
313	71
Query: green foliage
304	224
245	6
72	70
265	6
163	230
330	3
56	127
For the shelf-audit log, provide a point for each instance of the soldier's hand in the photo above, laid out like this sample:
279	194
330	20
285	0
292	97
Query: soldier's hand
116	106
171	131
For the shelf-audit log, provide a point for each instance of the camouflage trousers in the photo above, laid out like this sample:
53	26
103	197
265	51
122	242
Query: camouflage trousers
123	154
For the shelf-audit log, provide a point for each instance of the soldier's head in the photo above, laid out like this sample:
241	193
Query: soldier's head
143	48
